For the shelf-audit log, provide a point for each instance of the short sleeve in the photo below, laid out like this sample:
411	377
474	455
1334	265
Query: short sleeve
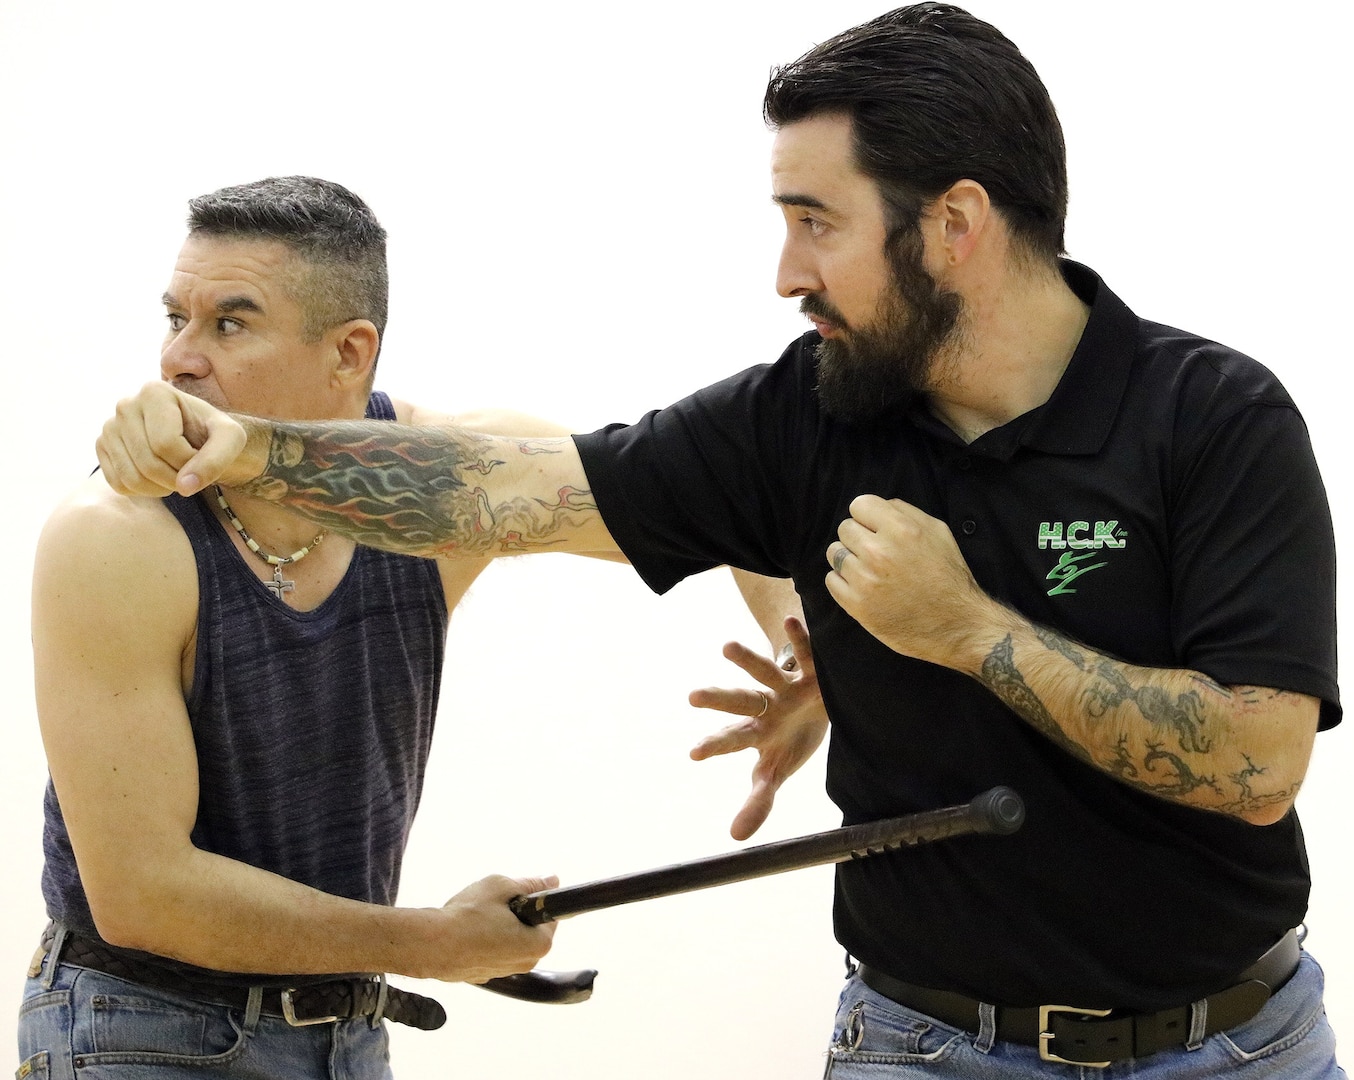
1253	571
707	481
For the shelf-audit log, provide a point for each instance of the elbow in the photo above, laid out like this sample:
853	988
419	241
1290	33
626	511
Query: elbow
141	899
1267	809
1271	813
119	924
127	916
119	932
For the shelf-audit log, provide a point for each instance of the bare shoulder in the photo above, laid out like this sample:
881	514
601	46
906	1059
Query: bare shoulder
93	519
112	548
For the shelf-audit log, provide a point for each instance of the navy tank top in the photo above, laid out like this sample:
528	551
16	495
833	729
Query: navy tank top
312	728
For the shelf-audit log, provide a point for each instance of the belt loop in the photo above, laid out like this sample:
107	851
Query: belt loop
53	957
1198	1024
987	1028
380	1009
252	1008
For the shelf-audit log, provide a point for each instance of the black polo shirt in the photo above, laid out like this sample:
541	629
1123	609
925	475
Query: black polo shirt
1163	507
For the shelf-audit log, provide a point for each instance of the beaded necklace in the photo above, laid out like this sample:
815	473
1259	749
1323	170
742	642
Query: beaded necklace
278	585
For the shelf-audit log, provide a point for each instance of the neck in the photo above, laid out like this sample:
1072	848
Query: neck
1018	336
277	530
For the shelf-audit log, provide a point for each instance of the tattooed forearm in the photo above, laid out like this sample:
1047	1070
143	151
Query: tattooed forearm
1175	734
1001	676
414	490
1178	778
1162	772
1059	644
1181	713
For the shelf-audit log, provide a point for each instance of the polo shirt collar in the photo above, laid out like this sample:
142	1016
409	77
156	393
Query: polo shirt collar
1078	416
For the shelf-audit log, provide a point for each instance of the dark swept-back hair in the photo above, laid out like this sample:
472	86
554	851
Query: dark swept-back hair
934	96
332	232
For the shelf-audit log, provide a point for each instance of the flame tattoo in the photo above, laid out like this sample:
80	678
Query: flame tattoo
418	491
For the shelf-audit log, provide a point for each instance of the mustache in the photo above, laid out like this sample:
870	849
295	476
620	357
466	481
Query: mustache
814	304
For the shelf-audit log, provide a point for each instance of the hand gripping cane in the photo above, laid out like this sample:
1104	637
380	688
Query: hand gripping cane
998	811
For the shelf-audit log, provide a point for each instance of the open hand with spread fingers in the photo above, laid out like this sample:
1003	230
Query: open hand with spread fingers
784	723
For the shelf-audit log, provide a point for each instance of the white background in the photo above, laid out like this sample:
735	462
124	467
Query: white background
577	199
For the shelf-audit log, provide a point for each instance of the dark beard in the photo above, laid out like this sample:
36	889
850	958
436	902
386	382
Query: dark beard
886	366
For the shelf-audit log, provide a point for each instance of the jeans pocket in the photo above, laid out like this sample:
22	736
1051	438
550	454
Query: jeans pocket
875	1032
131	1024
33	1068
1287	1020
1251	1042
119	1023
44	1025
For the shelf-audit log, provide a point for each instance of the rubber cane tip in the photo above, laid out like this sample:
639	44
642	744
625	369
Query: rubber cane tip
1004	808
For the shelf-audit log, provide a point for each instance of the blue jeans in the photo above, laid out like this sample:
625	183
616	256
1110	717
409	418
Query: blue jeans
876	1039
74	1021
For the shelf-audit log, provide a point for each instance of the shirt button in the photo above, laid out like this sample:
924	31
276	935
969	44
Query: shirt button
969	527
965	463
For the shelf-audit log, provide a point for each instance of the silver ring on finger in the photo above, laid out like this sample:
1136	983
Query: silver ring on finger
839	556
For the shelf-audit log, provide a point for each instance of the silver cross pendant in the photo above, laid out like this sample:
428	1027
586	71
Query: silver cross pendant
279	585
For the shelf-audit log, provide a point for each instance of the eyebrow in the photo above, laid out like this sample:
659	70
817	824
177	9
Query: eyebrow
809	201
225	305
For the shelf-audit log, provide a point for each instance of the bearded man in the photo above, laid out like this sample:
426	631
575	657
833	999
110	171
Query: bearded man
1066	549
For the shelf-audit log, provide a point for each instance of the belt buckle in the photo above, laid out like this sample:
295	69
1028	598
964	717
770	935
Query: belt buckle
289	1013
1046	1036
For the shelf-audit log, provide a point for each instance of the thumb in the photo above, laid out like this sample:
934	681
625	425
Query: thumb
533	884
223	442
755	811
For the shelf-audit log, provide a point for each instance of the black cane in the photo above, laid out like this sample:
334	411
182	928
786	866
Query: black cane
998	811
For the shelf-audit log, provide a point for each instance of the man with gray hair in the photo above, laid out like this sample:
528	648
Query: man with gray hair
235	763
237	709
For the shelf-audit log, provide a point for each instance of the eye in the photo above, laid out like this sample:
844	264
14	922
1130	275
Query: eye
228	327
814	226
176	321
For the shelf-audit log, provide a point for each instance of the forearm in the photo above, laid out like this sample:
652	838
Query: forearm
225	915
1177	734
222	914
417	490
770	601
1173	733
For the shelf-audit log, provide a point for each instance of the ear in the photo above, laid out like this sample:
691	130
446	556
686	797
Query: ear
356	344
964	215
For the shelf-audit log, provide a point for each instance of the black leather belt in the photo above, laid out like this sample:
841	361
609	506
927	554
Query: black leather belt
1098	1037
310	1003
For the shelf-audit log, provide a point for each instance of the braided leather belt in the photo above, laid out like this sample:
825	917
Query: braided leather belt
1099	1037
310	1003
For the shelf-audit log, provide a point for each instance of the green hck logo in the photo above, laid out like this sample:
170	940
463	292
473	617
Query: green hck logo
1077	549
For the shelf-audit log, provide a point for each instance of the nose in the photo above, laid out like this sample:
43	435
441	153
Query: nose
182	357
796	274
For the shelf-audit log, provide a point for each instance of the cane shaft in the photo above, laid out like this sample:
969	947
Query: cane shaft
995	811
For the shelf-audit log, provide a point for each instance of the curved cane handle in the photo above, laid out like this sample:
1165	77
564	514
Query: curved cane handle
545	987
